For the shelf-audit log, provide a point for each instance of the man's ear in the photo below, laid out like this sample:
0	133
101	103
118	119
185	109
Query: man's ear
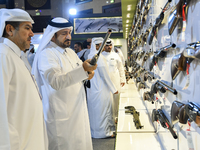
53	38
9	29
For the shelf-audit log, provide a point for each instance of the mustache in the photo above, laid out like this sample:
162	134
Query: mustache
67	40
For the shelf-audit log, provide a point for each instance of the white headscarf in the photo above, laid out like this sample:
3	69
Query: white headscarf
110	41
57	24
93	49
13	15
101	61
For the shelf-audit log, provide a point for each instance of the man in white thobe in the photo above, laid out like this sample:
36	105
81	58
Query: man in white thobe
119	52
59	74
22	125
117	73
31	54
99	97
23	56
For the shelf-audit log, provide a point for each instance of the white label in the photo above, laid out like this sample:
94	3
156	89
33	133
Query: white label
189	140
187	82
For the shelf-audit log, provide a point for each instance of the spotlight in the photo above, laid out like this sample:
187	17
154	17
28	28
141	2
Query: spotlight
72	11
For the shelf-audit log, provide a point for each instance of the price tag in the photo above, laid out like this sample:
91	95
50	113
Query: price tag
189	138
188	78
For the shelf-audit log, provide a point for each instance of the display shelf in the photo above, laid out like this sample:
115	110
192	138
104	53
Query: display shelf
137	141
167	141
126	124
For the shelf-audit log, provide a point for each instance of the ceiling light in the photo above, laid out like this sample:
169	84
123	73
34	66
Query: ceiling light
127	21
72	11
128	15
129	7
127	25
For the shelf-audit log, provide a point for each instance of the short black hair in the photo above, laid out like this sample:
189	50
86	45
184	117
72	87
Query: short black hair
15	25
79	44
85	44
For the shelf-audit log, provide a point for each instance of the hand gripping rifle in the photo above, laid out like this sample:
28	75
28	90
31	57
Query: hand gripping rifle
158	22
135	114
96	56
158	115
161	53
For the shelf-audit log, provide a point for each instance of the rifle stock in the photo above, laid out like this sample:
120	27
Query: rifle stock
135	114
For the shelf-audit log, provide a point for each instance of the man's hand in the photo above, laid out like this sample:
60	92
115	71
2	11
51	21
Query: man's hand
116	92
122	84
88	67
90	75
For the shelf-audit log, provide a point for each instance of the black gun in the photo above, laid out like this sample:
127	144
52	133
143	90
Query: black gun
135	114
145	12
158	115
148	75
141	53
158	22
162	87
192	109
181	61
138	79
141	86
136	69
158	86
144	38
149	96
161	53
96	56
146	56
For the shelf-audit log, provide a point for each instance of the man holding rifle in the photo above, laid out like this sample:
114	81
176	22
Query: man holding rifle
59	74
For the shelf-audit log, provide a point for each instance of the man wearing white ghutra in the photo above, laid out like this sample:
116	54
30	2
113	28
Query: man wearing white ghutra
22	125
59	74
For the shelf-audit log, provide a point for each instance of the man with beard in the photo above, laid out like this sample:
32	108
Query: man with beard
99	96
116	71
59	74
22	124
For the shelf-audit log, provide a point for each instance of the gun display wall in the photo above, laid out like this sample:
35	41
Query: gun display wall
164	53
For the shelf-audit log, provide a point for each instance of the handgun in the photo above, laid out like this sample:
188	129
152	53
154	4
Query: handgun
161	53
158	115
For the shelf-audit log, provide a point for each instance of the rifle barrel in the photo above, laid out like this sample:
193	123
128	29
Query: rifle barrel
168	87
96	56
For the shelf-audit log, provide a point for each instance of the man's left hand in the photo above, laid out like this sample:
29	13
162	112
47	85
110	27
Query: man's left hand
122	84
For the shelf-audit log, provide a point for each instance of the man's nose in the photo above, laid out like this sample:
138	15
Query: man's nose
68	36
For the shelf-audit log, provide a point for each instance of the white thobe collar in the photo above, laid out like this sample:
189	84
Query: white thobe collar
106	53
13	46
61	50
